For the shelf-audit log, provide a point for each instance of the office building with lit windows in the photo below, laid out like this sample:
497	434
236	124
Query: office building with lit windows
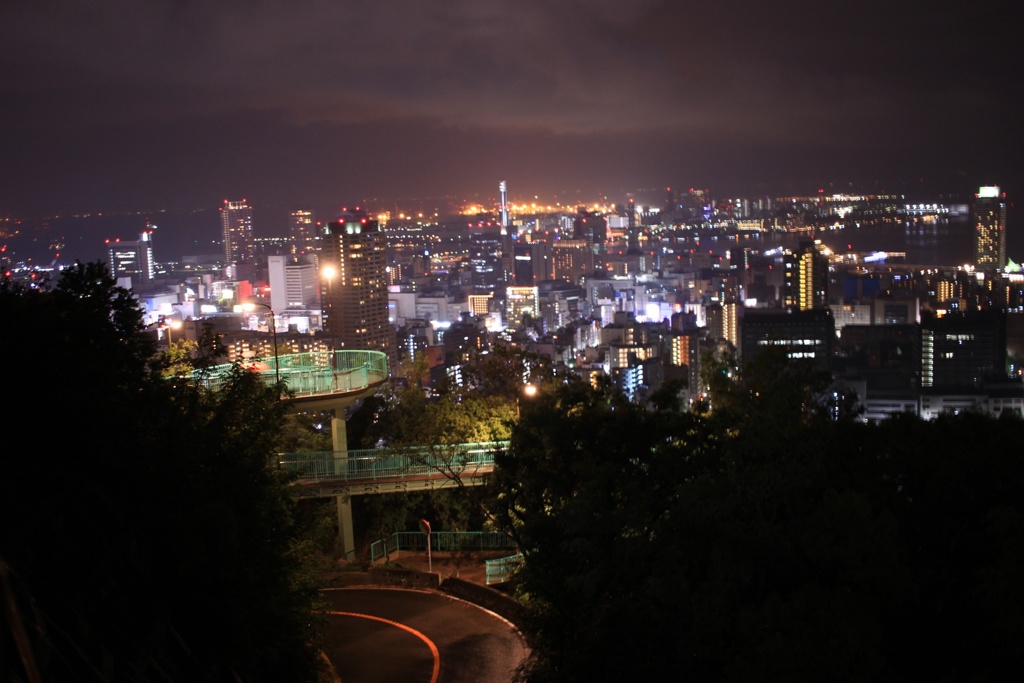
302	232
684	352
132	260
963	350
723	322
479	304
236	232
521	303
806	278
353	284
572	260
530	263
807	335
989	216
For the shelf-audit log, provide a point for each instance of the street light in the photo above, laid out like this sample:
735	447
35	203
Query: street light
273	331
329	272
529	391
172	325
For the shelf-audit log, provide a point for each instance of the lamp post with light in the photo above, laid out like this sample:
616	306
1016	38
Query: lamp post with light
329	272
172	325
529	391
273	331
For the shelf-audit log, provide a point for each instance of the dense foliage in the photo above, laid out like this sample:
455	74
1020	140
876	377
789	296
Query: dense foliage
143	537
483	409
764	540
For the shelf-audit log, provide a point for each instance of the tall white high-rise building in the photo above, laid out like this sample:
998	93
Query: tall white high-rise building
293	285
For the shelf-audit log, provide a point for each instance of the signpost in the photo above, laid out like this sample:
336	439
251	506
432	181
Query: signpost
425	528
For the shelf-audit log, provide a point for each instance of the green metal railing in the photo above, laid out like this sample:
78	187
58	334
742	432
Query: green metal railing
312	373
441	541
502	569
382	463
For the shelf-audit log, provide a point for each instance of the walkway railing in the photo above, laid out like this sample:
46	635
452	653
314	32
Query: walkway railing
501	569
441	541
313	373
387	463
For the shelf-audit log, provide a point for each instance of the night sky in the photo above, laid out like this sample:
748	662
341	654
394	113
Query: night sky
139	105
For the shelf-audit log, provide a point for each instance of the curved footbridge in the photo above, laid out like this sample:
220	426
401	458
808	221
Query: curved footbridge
342	474
391	470
317	380
322	381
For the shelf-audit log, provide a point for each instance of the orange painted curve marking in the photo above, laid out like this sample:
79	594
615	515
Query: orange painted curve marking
433	648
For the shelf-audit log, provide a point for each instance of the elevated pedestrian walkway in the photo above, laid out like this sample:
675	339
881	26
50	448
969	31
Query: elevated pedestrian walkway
391	470
333	381
316	380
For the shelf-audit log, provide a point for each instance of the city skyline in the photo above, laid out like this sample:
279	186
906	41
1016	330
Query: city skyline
140	106
195	234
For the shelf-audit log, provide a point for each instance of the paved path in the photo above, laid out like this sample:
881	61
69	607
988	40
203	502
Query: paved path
386	634
472	567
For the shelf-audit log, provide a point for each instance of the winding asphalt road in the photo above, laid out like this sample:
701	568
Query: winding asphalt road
389	634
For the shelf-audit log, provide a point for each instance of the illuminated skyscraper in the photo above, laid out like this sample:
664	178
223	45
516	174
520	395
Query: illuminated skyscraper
302	231
133	260
355	298
503	197
479	304
806	278
571	260
507	257
236	223
989	213
530	263
520	303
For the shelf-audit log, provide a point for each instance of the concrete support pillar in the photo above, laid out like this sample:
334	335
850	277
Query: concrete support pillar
339	438
345	532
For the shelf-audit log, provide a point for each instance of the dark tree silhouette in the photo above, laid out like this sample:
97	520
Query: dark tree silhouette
144	536
762	540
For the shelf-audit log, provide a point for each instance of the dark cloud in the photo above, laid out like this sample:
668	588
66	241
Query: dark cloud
172	102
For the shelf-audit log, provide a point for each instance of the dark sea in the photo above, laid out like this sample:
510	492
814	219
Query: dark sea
947	241
84	238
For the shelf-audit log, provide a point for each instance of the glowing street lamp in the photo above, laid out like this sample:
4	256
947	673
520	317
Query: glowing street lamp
172	325
529	391
273	330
